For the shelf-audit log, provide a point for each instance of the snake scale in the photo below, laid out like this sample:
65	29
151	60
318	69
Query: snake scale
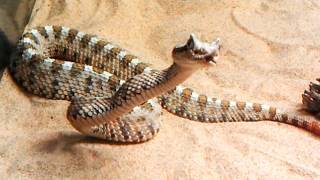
117	97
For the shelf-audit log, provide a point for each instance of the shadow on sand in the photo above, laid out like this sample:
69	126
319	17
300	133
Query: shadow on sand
67	141
5	52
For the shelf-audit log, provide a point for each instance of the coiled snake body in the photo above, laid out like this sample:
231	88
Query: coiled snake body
117	97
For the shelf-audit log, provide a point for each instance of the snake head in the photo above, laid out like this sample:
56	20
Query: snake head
195	52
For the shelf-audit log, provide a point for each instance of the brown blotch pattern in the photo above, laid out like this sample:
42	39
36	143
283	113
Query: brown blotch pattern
272	112
147	106
113	82
76	69
57	31
128	58
85	40
57	66
225	104
31	36
37	57
186	94
72	35
202	101
114	52
284	118
257	107
305	124
140	67
28	46
97	70
295	122
241	105
42	31
98	47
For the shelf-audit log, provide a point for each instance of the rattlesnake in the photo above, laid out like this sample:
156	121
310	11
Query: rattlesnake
117	97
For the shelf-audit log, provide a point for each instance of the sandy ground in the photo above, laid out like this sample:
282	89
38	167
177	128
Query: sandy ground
270	53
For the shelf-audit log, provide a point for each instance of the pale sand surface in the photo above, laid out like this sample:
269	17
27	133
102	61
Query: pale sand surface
270	53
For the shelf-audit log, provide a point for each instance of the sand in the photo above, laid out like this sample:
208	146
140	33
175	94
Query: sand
270	53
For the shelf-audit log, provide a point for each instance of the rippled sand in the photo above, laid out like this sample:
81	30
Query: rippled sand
270	53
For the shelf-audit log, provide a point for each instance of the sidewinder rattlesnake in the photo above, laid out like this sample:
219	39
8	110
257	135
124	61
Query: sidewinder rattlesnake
117	97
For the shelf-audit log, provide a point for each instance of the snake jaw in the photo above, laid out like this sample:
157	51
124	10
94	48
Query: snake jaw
196	50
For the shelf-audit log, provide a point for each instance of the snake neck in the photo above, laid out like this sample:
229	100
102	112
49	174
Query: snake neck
176	74
145	86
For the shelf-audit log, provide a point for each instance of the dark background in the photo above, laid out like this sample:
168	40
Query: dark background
14	15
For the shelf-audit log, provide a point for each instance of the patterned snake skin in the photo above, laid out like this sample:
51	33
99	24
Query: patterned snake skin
115	96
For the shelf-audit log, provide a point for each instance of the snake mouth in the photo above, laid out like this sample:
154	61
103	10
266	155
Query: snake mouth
200	51
201	54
